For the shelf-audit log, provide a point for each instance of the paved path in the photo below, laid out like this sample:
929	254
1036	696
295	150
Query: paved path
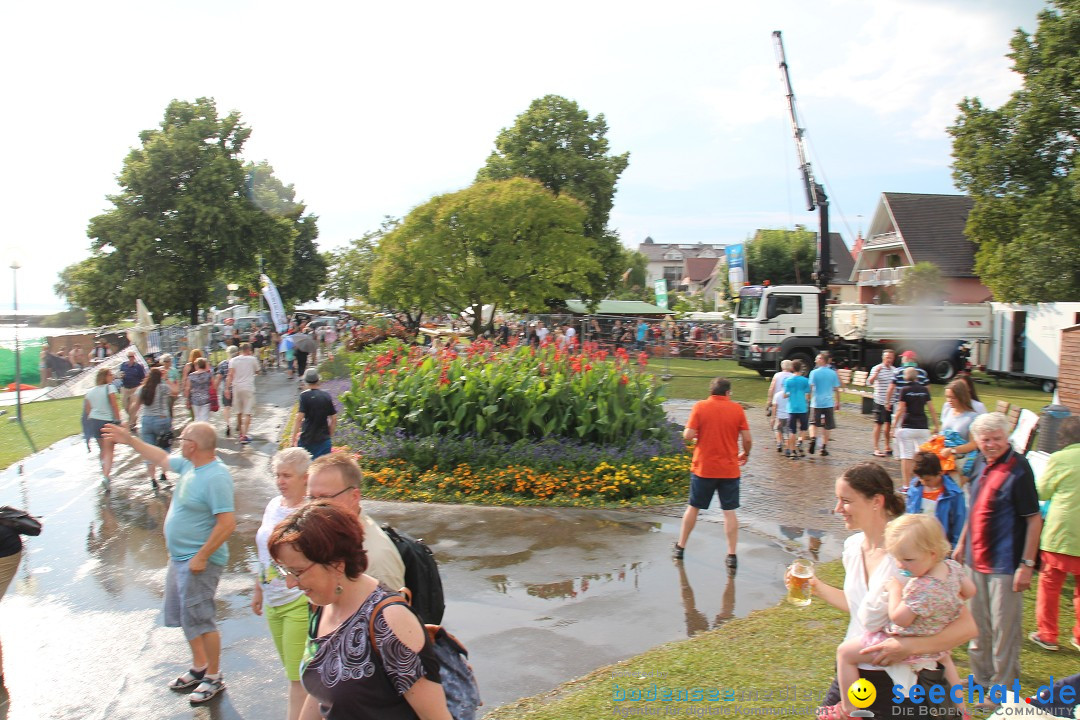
540	596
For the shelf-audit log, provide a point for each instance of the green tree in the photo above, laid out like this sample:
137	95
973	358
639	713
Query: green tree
510	244
556	143
921	284
184	217
305	274
783	257
350	267
1019	163
633	284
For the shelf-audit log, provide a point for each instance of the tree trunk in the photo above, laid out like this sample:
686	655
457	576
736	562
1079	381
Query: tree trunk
194	311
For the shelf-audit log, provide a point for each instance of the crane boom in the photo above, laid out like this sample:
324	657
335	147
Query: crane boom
815	193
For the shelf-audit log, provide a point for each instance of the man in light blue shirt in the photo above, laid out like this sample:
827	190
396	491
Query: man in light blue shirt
201	518
824	398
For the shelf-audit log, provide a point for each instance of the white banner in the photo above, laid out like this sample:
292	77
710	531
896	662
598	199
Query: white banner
273	300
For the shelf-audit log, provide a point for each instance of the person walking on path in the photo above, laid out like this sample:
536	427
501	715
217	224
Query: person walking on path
155	397
132	374
201	518
316	418
1059	484
336	477
240	386
303	346
797	394
911	426
100	409
286	608
717	424
824	402
881	377
221	376
998	544
10	554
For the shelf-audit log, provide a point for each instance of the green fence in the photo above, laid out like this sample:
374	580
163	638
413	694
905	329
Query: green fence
29	357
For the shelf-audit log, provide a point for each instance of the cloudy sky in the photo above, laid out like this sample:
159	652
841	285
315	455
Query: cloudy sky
369	108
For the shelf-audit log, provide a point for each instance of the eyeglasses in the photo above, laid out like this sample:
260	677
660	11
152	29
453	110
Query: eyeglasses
330	497
287	573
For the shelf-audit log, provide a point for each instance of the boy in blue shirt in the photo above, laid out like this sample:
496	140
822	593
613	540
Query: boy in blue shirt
797	393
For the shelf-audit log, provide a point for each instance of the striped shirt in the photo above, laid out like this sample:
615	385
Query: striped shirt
883	376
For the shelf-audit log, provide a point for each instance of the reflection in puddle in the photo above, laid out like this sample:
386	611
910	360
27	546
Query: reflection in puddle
793	543
570	588
696	621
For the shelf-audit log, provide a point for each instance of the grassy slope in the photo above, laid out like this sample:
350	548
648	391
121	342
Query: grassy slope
46	422
767	650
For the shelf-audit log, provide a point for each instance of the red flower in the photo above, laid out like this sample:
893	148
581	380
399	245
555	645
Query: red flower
643	359
623	379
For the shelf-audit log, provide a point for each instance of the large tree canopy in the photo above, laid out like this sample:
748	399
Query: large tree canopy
188	213
783	257
556	143
1019	163
511	244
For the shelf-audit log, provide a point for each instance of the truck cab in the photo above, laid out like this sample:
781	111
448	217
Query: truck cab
776	322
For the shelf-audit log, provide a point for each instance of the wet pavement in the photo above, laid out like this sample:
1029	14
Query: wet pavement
539	596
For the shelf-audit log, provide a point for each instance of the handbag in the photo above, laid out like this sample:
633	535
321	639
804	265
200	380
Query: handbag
214	407
164	439
20	521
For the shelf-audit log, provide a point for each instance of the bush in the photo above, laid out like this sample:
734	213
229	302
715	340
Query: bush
504	395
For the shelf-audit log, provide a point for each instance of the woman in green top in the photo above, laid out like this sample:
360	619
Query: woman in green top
100	408
1059	484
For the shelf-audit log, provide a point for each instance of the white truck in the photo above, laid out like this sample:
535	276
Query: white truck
1026	341
775	323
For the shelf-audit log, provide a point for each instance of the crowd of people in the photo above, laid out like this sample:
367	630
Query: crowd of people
940	558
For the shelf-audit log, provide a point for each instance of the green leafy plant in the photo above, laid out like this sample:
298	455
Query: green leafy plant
505	394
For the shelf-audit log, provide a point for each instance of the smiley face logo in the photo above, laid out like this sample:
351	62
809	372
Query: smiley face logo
862	693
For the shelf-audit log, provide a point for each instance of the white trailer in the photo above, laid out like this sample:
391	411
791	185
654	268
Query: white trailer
1026	340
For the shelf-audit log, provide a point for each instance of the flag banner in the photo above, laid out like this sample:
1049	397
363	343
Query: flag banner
661	293
273	301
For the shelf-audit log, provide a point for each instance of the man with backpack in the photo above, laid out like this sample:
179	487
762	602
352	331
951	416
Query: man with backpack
336	477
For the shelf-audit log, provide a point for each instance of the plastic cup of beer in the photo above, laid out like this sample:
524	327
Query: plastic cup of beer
800	573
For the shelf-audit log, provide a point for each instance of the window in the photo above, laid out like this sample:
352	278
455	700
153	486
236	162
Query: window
673	274
785	305
893	261
673	255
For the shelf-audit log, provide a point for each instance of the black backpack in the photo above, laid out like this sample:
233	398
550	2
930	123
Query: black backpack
455	673
421	576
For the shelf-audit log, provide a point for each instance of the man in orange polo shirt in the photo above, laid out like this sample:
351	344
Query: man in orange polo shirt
717	424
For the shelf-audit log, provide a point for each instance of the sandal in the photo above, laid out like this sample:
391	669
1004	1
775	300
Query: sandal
188	680
209	688
878	453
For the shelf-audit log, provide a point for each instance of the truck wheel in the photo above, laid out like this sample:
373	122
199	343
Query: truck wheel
806	360
942	371
1048	386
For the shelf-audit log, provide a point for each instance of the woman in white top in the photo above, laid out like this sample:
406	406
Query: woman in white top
286	608
100	408
866	500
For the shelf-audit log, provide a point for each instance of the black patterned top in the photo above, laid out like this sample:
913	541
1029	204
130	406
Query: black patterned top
349	680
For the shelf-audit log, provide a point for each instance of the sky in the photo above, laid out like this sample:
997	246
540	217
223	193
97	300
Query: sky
370	109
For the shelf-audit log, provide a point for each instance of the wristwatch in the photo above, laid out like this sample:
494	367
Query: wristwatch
1028	563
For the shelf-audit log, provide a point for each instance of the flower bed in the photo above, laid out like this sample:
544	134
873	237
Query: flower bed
516	425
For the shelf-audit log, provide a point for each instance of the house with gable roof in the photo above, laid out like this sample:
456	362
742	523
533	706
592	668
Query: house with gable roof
670	261
908	228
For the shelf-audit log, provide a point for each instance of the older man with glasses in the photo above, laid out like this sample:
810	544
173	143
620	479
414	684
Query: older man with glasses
998	544
336	477
201	518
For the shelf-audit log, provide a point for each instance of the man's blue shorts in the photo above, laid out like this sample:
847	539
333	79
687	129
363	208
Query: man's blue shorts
702	489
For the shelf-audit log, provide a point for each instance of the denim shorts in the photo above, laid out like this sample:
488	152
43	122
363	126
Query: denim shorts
702	489
318	449
189	598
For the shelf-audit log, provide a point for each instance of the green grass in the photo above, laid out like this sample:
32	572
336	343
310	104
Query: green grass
46	422
690	381
770	649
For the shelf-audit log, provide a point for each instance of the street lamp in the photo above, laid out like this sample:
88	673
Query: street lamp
18	370
232	287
